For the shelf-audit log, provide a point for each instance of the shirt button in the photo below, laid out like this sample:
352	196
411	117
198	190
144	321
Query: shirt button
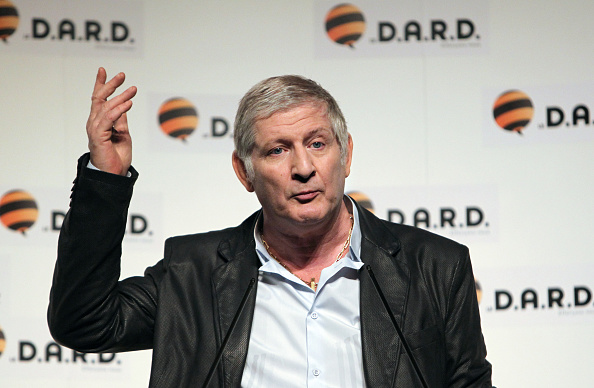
314	315
316	372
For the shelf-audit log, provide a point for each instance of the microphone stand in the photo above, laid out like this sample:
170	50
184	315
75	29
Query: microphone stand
219	355
397	327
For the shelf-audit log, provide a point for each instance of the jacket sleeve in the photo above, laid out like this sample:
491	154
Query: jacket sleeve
89	309
465	346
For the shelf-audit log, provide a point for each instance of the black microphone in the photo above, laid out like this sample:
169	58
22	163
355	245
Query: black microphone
400	334
214	365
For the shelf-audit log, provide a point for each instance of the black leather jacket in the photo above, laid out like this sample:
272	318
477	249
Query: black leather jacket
183	306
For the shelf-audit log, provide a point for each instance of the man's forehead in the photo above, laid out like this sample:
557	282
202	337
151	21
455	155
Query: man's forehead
305	114
320	107
270	134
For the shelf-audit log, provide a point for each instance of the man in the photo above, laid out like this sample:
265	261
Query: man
311	290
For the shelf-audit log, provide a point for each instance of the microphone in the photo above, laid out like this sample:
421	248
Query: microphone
400	334
214	365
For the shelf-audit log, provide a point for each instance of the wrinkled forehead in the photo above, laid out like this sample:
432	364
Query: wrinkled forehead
279	108
313	110
305	117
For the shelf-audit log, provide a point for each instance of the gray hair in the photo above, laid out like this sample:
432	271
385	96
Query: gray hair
278	94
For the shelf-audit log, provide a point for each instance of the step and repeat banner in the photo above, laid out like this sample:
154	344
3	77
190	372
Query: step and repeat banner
471	119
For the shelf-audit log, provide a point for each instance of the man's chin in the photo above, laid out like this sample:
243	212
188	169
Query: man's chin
310	214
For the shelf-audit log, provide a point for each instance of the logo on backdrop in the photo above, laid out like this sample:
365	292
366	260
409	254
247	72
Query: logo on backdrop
51	352
546	298
451	218
479	290
178	118
9	19
345	24
137	225
513	110
541	114
538	294
18	210
40	219
200	122
25	352
380	28
460	213
52	25
2	341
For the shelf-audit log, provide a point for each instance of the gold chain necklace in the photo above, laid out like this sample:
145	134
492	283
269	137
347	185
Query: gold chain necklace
312	283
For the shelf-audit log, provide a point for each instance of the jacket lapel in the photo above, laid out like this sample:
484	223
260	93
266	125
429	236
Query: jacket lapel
232	282
380	342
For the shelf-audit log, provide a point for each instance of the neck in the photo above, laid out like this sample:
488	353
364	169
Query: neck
311	248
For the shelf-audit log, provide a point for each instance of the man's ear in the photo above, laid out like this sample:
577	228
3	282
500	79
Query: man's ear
349	156
241	172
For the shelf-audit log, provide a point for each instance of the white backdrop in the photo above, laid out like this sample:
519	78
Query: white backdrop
421	115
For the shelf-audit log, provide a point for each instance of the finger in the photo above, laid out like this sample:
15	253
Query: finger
112	85
126	95
120	126
111	117
100	79
99	109
103	90
108	112
99	82
119	131
114	108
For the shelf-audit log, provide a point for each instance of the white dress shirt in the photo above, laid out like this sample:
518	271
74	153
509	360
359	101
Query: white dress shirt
306	338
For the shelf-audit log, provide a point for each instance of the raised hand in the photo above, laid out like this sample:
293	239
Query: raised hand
107	127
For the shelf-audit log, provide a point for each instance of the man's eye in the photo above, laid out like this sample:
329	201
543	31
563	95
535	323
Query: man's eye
276	151
317	144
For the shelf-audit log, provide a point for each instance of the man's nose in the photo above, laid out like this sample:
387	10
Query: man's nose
302	168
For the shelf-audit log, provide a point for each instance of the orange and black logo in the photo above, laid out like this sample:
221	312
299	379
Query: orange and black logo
513	111
479	290
178	118
362	200
345	24
18	210
2	342
9	19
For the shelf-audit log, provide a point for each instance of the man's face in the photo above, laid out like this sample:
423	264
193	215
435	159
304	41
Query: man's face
298	174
